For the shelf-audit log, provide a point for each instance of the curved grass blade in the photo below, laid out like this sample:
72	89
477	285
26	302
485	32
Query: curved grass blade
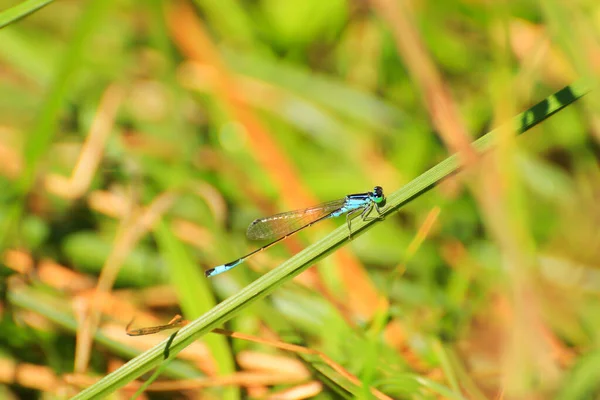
305	259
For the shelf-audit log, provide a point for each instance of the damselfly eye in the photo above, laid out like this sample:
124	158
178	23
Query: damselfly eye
377	194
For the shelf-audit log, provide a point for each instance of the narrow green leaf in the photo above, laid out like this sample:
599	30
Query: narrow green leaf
60	312
45	127
19	11
194	296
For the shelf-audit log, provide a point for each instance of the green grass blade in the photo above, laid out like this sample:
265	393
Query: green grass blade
303	260
19	11
333	380
343	99
59	311
194	296
583	379
46	124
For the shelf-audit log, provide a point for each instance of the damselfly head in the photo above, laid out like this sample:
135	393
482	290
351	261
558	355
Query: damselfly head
377	195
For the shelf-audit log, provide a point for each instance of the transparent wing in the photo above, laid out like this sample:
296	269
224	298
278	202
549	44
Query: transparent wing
279	225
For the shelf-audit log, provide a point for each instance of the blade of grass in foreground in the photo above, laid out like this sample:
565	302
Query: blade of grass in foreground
21	10
303	260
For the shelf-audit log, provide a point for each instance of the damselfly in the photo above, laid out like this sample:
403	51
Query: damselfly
284	225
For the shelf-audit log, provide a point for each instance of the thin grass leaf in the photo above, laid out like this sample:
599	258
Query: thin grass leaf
194	296
351	103
60	313
336	383
312	254
47	120
19	11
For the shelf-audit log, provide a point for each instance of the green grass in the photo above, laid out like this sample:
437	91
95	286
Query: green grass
474	285
21	10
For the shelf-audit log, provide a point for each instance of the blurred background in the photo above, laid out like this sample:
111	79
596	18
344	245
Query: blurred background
138	139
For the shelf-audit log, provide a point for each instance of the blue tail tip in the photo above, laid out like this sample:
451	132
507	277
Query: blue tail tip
209	272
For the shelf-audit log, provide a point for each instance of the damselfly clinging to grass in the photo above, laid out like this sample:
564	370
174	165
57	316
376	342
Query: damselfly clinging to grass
281	226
